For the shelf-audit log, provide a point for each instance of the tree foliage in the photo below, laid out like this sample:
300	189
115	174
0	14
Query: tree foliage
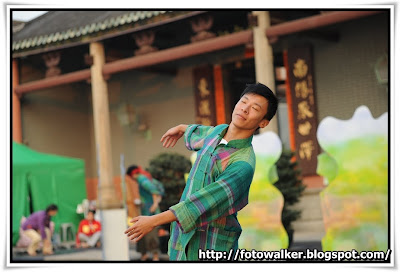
169	168
291	186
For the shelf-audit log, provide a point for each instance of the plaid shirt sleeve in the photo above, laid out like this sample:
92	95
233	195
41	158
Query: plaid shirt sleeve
194	136
227	195
149	186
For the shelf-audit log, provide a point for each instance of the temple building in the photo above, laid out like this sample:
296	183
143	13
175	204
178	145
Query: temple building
98	84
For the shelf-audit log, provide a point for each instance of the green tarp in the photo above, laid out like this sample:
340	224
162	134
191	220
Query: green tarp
43	179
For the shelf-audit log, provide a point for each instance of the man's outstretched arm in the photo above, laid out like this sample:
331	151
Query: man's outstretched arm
172	135
142	225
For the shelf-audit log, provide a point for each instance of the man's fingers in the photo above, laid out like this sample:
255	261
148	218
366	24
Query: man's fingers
174	142
130	235
165	142
171	143
134	235
169	139
169	133
131	228
163	137
168	142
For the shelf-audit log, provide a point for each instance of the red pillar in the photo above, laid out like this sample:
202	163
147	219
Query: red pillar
219	95
16	112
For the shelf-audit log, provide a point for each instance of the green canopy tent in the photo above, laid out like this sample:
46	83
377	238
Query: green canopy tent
40	179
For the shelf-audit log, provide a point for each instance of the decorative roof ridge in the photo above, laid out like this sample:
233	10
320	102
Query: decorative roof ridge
109	23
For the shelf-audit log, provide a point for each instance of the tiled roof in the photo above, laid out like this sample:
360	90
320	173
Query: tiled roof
56	27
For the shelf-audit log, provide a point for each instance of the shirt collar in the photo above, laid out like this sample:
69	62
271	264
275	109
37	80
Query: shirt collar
239	143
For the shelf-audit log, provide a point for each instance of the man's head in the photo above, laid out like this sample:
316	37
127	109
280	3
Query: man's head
90	215
131	171
256	107
52	210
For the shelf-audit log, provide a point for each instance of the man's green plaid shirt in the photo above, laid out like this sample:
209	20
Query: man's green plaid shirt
217	188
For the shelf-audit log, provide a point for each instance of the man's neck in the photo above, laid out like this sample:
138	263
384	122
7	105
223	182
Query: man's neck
234	133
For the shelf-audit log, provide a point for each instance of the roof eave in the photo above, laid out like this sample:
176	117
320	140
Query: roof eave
87	39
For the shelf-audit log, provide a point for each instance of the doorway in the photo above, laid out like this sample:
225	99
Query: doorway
235	77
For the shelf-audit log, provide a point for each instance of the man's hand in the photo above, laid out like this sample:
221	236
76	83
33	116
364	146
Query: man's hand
170	137
144	224
141	226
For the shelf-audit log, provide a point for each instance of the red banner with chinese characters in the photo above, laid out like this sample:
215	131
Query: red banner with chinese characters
303	108
204	95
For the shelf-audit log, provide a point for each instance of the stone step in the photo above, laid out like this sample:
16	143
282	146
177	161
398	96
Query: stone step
308	230
310	205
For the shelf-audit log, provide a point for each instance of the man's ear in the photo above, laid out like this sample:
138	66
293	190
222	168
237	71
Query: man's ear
263	123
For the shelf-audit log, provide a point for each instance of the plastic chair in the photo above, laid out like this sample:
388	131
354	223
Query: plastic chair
67	233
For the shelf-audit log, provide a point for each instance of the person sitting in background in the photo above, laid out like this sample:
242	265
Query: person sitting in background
89	231
37	228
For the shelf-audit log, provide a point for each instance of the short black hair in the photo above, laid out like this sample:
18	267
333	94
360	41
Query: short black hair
130	169
92	211
51	207
261	89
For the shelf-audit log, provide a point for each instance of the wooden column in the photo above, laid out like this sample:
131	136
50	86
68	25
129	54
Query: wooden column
16	114
113	215
106	194
264	59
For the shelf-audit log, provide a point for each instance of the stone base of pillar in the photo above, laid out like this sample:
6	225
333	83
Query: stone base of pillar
115	243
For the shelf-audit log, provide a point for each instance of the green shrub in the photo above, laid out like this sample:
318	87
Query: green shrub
169	168
291	187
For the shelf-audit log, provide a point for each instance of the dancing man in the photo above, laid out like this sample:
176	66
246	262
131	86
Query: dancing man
218	183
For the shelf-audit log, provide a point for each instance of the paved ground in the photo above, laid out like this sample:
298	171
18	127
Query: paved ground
95	254
303	246
66	255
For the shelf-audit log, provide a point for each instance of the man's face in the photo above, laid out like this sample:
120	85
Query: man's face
135	176
90	216
53	212
250	111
